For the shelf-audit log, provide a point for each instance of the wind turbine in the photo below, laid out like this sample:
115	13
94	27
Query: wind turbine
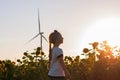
40	33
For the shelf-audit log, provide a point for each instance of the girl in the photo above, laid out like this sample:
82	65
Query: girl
57	69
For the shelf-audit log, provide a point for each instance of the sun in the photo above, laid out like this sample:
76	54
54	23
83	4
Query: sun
105	29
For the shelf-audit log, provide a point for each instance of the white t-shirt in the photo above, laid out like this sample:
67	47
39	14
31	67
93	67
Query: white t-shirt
55	67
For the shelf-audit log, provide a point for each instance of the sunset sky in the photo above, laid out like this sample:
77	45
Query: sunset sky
79	21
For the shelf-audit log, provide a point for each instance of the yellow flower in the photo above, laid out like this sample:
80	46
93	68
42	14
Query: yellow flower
95	44
85	50
42	53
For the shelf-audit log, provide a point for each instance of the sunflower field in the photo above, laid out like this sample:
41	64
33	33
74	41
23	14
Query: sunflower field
100	62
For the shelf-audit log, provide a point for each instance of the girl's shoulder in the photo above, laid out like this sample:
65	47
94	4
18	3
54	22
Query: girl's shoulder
57	50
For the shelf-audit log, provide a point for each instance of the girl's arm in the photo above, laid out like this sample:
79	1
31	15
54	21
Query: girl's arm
67	74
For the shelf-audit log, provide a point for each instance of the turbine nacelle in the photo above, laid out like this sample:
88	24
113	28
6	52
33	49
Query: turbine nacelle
40	33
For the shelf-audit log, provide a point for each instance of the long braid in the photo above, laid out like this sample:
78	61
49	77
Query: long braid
52	39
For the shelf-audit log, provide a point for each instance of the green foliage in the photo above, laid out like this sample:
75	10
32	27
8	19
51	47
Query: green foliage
100	63
6	70
104	62
33	66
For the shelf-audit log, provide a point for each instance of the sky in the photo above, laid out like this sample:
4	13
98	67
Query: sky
79	21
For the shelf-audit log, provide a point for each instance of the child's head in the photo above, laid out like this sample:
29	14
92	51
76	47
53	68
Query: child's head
55	37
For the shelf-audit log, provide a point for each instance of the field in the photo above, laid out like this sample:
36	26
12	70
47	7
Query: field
101	62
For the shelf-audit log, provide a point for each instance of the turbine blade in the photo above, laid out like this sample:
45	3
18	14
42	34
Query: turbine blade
39	21
33	37
44	38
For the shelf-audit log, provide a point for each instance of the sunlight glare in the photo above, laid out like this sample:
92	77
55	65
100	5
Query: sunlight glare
104	29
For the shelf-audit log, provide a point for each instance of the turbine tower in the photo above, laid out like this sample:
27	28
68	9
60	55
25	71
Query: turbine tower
40	33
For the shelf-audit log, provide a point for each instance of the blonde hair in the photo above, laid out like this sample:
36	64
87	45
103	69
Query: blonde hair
52	39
